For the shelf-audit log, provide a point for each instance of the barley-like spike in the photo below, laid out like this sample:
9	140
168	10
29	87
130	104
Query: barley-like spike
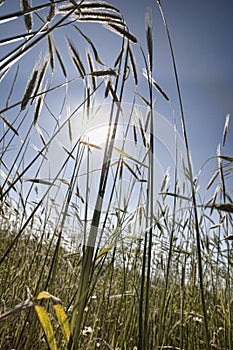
149	39
91	5
91	16
76	59
122	30
91	66
70	129
133	65
12	86
28	20
40	134
220	169
144	99
107	89
130	170
119	57
228	207
88	100
9	124
51	54
142	132
52	11
148	116
97	58
212	179
225	129
99	5
61	62
160	90
110	89
40	78
229	237
29	89
37	109
135	134
102	73
155	84
67	151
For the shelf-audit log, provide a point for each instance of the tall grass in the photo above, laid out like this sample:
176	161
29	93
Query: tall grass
88	262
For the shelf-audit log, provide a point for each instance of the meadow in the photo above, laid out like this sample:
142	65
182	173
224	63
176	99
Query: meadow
99	249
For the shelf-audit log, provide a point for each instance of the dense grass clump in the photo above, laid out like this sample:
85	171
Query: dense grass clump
97	249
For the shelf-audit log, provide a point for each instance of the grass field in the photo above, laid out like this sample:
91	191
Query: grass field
98	251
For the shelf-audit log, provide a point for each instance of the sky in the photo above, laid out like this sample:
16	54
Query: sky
201	33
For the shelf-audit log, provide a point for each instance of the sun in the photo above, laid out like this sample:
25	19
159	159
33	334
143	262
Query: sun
98	135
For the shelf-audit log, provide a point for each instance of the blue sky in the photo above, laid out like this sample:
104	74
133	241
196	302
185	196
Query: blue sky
201	33
202	37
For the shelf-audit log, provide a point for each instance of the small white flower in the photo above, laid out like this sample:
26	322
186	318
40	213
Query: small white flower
87	330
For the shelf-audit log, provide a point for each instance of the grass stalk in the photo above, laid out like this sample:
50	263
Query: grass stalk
198	238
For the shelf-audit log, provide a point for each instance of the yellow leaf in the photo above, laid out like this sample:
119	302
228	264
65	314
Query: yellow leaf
124	154
105	250
63	321
46	325
42	295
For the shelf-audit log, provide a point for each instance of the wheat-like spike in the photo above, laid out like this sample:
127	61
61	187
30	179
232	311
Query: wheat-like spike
28	20
225	129
29	89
